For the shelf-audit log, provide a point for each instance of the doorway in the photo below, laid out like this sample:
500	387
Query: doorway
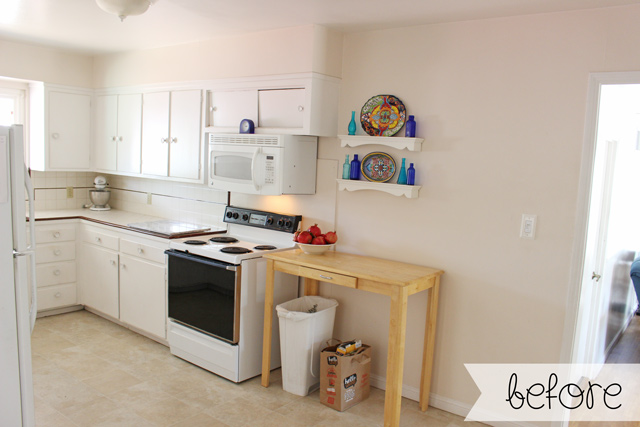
610	179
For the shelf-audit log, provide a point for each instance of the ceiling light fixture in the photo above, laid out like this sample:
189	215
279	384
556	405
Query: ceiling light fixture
124	8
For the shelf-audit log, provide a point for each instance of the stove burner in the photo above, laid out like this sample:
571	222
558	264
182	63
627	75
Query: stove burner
224	239
235	250
194	242
264	247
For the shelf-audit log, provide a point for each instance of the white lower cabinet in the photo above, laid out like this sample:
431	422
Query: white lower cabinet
123	277
55	265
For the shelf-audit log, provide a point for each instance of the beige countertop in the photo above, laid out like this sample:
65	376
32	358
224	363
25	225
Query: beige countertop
114	217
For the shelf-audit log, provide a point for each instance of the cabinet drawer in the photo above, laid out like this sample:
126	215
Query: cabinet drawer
100	239
55	252
141	250
325	276
66	233
56	296
55	274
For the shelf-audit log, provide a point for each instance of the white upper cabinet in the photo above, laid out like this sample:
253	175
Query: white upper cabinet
304	104
228	108
118	133
60	128
171	134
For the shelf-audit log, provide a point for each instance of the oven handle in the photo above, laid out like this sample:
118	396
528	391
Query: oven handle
203	260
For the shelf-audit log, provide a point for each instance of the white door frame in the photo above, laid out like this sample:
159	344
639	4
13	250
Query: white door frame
596	81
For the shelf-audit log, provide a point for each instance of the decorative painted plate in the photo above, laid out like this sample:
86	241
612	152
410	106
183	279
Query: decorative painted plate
382	115
378	167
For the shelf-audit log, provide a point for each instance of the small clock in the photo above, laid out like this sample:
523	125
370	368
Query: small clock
246	126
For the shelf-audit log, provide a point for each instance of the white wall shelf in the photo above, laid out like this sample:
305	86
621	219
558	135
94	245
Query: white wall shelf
409	191
411	144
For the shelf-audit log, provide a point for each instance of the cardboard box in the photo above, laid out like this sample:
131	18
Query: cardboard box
344	380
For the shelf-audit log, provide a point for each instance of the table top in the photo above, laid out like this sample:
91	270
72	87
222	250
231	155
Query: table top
363	267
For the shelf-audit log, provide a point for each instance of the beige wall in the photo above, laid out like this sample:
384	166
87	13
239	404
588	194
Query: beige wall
291	50
501	104
29	62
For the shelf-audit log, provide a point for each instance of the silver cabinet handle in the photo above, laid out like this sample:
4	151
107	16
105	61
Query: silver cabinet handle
140	251
58	295
57	252
56	234
174	140
55	135
56	272
300	108
114	138
112	262
98	240
326	277
164	140
124	266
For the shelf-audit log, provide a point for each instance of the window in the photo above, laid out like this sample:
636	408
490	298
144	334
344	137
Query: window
11	106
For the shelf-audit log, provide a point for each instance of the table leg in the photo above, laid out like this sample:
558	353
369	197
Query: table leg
429	344
395	357
268	321
310	286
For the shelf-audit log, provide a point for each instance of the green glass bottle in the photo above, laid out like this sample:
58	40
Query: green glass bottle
402	175
346	168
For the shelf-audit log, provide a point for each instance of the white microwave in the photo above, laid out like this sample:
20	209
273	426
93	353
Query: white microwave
262	164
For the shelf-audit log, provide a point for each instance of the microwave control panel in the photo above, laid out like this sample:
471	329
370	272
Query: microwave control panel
269	169
262	219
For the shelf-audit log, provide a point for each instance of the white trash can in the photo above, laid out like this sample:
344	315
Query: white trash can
306	324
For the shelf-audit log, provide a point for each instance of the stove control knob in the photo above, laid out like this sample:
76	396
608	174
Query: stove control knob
235	215
229	214
245	217
287	224
280	222
270	221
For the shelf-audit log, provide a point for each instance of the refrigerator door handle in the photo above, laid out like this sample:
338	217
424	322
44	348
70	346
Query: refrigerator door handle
33	310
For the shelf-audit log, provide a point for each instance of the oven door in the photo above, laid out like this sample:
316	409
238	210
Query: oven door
204	294
250	169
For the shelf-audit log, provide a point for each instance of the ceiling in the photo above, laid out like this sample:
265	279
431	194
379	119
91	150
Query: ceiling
79	25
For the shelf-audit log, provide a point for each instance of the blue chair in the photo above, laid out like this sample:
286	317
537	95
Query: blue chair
635	278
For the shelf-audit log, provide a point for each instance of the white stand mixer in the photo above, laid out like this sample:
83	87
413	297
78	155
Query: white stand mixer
100	196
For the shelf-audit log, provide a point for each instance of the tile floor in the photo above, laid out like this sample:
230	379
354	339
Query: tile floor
88	371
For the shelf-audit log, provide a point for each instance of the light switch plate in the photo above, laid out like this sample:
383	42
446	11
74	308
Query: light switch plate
69	192
528	226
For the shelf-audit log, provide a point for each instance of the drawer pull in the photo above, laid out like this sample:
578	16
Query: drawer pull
56	234
140	251
326	277
58	295
57	252
112	262
99	240
56	272
123	266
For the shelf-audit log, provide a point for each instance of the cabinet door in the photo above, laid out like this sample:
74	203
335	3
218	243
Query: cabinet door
228	108
69	131
98	271
281	108
129	133
143	296
106	138
155	134
185	135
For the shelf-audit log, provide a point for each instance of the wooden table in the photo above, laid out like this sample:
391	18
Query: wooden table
396	279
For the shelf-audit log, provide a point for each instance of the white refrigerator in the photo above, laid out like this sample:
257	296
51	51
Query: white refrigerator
17	282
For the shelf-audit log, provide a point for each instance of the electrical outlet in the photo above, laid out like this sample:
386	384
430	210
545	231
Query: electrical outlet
148	198
528	226
69	192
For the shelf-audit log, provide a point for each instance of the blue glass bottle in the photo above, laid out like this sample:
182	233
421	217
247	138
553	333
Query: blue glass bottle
410	128
352	124
402	176
355	168
411	175
345	168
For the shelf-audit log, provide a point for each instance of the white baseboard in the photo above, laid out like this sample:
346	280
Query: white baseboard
444	403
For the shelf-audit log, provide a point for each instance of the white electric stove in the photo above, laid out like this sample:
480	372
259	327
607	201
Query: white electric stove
216	292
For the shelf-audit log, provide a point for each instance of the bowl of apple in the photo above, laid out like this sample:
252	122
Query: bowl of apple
313	241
